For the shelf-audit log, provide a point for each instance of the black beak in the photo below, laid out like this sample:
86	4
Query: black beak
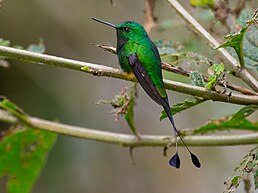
104	22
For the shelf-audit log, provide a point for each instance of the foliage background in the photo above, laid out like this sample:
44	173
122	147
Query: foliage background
77	165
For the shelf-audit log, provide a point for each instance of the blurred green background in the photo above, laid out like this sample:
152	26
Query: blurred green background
77	165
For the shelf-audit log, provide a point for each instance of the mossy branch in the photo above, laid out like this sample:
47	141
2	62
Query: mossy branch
101	70
132	140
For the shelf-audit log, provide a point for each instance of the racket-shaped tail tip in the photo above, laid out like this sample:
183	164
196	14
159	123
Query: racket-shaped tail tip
195	160
175	161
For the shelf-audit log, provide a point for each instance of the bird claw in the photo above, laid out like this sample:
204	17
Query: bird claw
130	75
168	145
171	141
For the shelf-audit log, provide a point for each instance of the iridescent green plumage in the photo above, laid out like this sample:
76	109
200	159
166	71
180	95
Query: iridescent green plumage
139	55
137	41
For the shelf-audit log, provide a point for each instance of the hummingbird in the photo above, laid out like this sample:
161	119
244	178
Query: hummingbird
137	54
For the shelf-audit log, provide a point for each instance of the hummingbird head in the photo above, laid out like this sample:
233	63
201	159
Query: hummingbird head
126	30
130	30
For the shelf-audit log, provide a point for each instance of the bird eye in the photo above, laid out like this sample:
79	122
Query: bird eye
126	29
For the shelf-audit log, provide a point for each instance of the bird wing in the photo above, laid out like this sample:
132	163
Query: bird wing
145	81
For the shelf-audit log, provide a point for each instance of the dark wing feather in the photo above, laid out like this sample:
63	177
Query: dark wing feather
145	81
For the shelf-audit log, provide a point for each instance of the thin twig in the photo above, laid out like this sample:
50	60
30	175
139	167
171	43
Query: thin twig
232	64
149	17
101	70
132	140
247	183
239	7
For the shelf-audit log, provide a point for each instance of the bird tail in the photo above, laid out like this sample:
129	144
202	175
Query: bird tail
170	116
175	161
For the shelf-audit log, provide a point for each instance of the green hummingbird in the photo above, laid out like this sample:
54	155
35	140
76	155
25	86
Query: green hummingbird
139	55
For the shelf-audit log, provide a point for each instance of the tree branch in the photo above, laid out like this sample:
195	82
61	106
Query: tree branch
132	140
101	70
170	68
230	60
149	18
179	70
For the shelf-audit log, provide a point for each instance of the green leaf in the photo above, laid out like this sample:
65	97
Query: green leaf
244	43
178	107
237	121
38	48
235	181
167	46
14	109
188	58
171	52
203	3
217	69
129	115
5	103
214	74
219	124
117	103
19	47
243	113
212	81
250	47
22	156
123	104
23	151
236	41
197	79
4	42
247	165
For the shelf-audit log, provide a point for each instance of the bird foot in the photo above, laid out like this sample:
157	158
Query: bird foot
168	145
130	75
